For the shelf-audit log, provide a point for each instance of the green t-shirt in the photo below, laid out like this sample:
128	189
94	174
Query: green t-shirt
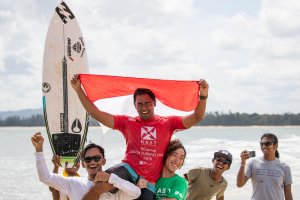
172	187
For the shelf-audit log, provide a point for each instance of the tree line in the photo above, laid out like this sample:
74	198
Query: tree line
211	119
34	120
244	119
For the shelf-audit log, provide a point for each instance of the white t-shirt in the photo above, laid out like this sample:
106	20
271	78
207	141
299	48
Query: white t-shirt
63	196
268	178
76	187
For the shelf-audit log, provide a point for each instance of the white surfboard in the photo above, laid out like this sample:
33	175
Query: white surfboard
64	55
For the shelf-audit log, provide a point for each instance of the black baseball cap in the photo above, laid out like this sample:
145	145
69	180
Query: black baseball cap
224	154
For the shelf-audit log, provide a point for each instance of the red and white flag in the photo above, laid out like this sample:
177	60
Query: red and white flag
113	94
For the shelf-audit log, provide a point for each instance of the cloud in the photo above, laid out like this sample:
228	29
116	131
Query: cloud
281	18
13	66
248	51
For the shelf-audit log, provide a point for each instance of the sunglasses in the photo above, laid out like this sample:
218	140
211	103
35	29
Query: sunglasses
266	144
89	159
224	161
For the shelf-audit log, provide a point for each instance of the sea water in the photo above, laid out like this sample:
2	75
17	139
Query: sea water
18	179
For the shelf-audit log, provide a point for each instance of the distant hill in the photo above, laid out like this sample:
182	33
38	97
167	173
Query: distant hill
28	117
22	113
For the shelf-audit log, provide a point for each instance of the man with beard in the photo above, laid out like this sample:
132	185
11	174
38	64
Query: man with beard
147	136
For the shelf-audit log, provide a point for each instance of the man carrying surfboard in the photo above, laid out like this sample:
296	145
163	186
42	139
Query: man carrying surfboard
147	136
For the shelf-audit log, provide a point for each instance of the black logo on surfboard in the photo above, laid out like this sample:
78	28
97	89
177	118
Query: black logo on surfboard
76	126
70	49
65	13
78	47
46	87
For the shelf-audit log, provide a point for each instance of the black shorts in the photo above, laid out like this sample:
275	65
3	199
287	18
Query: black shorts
125	172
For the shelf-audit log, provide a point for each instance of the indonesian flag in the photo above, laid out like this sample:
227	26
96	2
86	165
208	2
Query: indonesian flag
113	94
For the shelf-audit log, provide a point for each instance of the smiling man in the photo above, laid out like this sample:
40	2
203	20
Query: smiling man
147	136
93	159
170	185
210	180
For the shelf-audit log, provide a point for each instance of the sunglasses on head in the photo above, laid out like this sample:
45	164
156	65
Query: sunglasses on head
224	161
266	144
89	159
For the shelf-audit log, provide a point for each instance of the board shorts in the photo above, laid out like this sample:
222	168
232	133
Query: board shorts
125	172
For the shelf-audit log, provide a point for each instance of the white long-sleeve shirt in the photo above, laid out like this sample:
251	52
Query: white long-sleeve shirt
76	187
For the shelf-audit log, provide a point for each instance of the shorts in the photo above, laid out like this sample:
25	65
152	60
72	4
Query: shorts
125	172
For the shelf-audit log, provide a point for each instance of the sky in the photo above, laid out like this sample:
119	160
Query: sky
247	50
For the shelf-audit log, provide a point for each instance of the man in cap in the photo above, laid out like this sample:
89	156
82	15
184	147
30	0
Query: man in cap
205	183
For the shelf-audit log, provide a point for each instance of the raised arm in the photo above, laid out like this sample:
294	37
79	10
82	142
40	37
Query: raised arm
105	118
37	141
53	180
198	114
241	179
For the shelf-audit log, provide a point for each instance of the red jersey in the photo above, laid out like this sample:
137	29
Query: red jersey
147	142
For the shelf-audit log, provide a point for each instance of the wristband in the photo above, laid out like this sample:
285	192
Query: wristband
243	164
203	97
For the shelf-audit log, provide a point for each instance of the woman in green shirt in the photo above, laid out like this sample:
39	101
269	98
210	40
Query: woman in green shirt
170	185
